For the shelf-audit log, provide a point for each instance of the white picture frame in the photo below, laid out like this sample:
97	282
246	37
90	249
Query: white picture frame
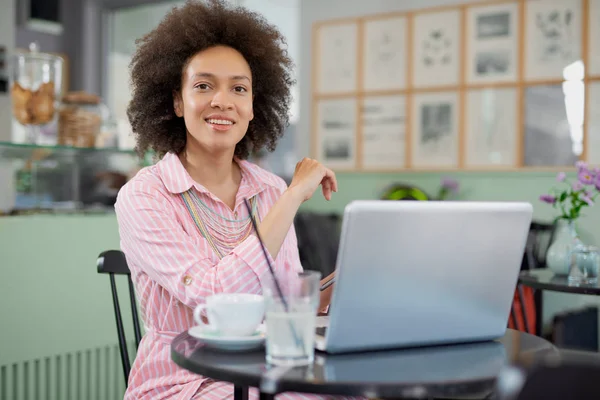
593	127
435	125
491	128
492	43
436	49
552	37
594	38
336	132
383	123
337	58
385	54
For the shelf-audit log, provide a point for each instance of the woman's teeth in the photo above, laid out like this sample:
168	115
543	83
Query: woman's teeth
219	122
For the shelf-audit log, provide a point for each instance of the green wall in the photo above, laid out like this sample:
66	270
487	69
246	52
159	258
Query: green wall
490	186
53	300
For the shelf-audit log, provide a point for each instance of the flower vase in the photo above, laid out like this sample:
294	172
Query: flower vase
559	253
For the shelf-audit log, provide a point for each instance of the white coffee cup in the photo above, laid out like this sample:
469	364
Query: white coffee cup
232	314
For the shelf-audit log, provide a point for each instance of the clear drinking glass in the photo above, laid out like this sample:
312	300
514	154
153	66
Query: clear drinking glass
584	265
291	314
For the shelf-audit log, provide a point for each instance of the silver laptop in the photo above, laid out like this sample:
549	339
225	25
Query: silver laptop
412	273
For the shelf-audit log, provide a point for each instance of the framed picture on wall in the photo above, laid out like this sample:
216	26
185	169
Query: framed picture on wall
436	49
435	127
492	43
336	133
383	120
385	55
553	32
553	132
337	58
40	15
491	128
593	128
594	38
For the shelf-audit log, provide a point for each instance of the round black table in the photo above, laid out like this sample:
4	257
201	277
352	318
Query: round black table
449	371
545	279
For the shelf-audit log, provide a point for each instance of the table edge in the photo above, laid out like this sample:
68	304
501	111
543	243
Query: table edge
531	282
348	388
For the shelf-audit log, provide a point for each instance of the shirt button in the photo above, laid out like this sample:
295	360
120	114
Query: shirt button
235	214
187	280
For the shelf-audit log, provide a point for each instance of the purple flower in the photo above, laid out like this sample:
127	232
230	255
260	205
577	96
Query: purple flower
581	165
588	200
585	176
577	186
547	198
561	177
450	184
597	182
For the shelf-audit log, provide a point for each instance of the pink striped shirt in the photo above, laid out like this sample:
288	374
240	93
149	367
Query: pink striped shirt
174	268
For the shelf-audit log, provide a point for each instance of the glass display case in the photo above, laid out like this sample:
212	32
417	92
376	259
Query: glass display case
64	179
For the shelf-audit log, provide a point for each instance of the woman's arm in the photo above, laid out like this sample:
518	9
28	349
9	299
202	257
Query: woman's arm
309	174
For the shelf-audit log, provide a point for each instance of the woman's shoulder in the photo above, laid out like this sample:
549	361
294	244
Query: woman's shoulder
145	184
146	178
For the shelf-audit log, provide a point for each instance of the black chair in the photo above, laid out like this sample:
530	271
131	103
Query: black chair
539	239
112	262
318	240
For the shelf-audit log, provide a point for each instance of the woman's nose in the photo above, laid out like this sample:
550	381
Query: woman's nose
221	100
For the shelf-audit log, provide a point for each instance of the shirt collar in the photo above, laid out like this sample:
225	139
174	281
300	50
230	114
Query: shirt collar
177	180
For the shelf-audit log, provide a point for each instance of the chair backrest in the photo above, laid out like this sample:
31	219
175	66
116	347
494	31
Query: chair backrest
540	237
112	262
318	240
526	312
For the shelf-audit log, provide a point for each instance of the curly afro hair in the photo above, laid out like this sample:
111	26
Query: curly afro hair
161	56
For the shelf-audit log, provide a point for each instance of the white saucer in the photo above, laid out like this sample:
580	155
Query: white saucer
219	341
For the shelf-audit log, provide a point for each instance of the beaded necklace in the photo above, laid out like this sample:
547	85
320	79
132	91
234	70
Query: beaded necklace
213	226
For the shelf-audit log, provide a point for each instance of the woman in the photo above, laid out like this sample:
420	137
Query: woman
211	84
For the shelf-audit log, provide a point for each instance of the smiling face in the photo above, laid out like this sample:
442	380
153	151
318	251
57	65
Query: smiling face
215	99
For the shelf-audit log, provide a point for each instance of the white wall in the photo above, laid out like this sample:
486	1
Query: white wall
7	39
285	15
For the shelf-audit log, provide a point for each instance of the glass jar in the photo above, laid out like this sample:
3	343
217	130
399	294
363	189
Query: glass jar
79	120
35	88
584	265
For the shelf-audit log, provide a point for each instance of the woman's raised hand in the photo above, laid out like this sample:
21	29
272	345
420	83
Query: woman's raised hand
309	174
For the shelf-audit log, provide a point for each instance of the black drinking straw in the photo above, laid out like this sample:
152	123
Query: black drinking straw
298	340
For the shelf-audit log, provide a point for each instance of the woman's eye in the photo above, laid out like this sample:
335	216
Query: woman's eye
202	86
240	89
